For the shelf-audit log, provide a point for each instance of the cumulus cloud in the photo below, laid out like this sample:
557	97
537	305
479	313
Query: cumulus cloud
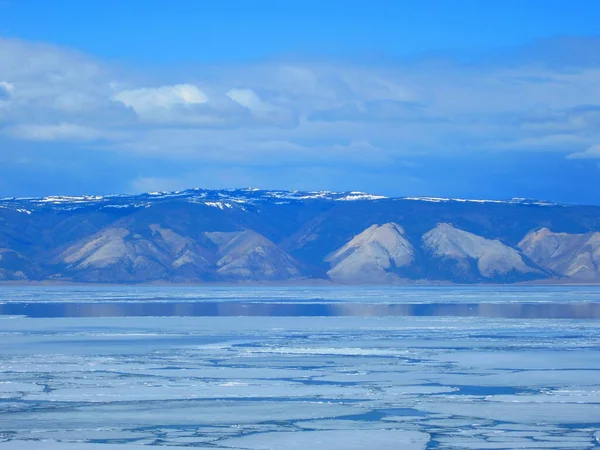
282	112
50	85
38	73
147	100
179	104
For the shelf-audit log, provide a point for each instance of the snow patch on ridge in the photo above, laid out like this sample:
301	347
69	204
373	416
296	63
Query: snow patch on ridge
516	200
219	205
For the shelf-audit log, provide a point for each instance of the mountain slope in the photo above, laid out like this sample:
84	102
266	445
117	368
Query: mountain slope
576	256
470	257
14	266
118	254
372	256
247	255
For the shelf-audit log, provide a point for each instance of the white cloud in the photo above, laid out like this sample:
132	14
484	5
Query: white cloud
592	152
147	100
6	90
59	132
264	112
269	113
40	72
248	99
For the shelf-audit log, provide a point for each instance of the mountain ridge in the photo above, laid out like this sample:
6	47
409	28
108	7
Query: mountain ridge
251	235
228	198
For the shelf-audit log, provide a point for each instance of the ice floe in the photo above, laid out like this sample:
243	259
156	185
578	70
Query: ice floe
295	382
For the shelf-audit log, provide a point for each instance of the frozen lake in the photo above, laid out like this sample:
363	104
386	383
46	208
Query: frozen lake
105	368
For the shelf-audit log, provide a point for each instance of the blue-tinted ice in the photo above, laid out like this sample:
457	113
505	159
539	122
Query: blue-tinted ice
257	382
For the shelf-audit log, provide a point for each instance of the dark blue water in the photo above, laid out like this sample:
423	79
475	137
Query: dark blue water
571	310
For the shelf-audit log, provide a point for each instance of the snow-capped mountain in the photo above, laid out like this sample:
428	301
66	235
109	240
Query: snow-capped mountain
221	199
254	235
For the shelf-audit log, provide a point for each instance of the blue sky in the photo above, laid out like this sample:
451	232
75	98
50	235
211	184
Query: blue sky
492	99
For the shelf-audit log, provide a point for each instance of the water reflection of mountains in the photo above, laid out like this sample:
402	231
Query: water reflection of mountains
583	310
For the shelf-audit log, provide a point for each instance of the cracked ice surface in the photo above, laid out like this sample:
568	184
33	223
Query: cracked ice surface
283	383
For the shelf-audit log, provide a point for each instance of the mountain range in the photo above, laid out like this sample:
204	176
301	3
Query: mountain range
251	235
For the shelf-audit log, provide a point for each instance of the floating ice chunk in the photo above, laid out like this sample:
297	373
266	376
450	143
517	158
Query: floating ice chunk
551	397
181	412
332	440
539	440
527	379
507	360
10	389
58	445
152	390
336	424
528	413
330	351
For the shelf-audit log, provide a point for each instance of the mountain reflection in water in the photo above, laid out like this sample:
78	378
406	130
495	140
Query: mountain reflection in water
579	310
